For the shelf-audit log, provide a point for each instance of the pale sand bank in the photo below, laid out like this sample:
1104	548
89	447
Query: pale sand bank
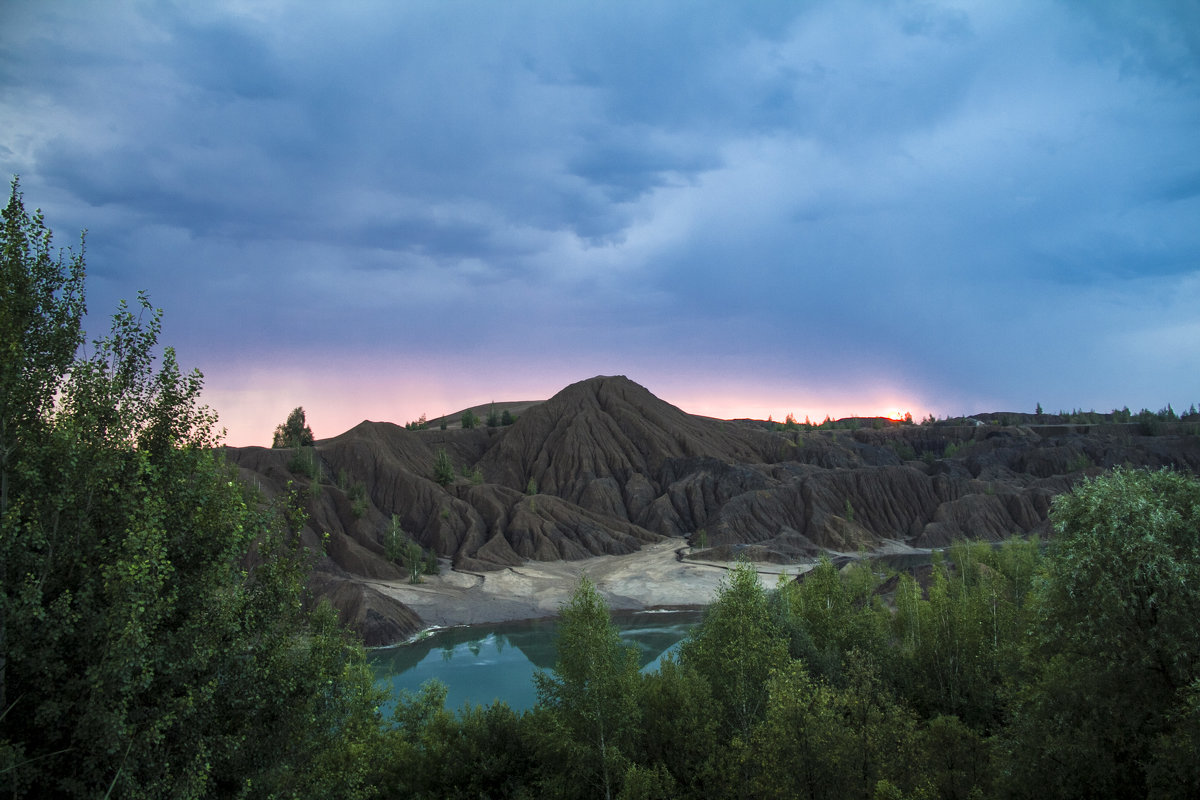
650	578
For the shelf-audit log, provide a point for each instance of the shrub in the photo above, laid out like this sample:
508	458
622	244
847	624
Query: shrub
358	499
443	468
1079	463
469	420
304	462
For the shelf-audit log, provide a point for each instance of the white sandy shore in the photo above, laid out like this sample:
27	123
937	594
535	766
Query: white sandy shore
650	578
653	577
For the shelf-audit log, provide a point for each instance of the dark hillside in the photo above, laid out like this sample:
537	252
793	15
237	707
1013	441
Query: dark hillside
604	466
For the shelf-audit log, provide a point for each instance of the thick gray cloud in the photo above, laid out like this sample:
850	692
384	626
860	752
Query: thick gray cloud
984	205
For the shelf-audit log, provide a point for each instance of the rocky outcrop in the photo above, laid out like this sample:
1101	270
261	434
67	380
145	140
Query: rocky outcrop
604	467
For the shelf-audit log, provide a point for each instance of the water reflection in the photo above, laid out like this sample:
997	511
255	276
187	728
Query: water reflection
483	663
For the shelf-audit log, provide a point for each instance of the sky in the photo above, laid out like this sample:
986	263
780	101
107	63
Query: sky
376	210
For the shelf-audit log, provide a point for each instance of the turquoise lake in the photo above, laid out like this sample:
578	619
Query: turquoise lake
483	663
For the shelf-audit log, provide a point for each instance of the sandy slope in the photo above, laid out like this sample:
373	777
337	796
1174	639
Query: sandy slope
650	578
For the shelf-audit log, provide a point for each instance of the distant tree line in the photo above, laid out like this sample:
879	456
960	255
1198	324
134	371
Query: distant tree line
468	420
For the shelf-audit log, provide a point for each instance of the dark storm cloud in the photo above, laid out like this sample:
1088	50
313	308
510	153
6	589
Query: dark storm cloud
979	201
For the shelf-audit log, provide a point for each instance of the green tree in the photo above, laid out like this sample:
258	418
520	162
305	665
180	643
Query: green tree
294	432
1115	649
433	753
679	726
591	696
821	741
140	658
443	468
836	612
469	419
41	311
735	648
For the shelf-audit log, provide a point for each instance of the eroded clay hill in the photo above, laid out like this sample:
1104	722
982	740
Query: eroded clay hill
605	466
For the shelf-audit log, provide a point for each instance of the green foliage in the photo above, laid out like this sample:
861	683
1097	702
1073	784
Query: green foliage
829	614
419	424
138	658
402	550
294	432
823	741
1079	463
469	419
735	648
958	644
493	418
443	468
41	312
480	752
304	462
531	487
356	493
1115	649
679	729
590	697
506	418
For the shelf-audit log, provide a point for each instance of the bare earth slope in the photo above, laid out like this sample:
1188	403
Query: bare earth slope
605	468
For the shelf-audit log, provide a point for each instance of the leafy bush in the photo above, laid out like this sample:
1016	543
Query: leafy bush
304	462
469	420
359	503
1079	463
443	468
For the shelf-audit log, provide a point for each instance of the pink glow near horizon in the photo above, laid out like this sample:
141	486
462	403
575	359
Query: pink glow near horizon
251	402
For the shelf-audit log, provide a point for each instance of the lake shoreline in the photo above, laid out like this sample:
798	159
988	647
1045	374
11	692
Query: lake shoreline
653	578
